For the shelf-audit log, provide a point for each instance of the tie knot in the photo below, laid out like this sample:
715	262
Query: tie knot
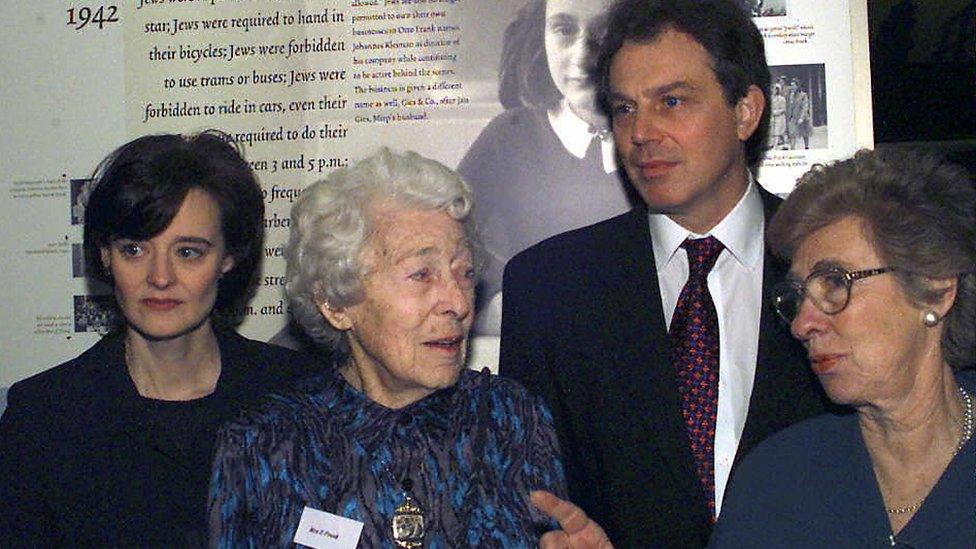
702	253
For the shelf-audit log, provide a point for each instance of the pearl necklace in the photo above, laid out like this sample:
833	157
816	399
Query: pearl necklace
967	433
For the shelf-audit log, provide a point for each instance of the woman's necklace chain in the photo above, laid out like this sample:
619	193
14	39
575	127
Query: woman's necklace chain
409	524
964	437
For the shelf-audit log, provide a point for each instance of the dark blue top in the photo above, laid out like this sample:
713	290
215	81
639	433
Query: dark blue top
813	485
472	452
85	461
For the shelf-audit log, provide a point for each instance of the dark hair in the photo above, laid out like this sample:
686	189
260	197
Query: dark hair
139	188
729	36
920	212
524	78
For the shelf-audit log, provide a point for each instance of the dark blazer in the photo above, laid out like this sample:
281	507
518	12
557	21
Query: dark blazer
813	485
583	326
82	463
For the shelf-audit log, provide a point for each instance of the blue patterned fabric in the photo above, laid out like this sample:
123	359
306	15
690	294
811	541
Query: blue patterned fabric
328	447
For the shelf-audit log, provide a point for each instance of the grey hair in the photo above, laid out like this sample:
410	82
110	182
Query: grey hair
331	222
921	215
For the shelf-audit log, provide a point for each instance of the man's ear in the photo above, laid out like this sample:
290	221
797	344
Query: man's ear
748	112
338	317
227	264
106	256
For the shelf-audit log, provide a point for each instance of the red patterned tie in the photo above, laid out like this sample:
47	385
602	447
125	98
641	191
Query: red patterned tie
694	353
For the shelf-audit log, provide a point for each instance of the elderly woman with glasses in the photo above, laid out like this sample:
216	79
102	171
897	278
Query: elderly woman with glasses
882	293
397	445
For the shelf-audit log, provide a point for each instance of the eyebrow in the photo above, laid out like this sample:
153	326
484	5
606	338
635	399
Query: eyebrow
194	240
562	17
826	264
679	85
659	90
396	259
463	248
179	240
820	266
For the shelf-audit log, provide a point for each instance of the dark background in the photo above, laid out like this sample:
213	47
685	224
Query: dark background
923	76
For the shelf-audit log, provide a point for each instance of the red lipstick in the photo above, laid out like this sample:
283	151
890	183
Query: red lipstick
157	304
822	364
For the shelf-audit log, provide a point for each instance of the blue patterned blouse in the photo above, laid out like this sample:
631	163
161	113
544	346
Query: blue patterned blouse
472	453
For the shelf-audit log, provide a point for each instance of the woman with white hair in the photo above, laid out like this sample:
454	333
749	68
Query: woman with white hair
398	437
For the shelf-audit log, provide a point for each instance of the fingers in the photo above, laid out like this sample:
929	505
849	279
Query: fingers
570	517
556	539
578	530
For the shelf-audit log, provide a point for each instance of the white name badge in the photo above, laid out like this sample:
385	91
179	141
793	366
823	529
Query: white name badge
321	530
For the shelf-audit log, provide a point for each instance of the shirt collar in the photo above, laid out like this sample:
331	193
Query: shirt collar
741	232
370	423
576	134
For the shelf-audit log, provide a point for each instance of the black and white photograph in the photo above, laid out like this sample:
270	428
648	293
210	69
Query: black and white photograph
94	313
77	261
764	8
80	189
798	107
545	164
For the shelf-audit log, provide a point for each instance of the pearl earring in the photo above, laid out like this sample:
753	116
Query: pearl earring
930	319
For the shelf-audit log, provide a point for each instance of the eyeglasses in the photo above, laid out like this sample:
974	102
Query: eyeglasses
829	290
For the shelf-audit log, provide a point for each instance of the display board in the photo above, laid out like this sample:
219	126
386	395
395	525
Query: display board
310	86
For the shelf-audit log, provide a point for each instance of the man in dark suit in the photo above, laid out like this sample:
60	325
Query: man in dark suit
650	436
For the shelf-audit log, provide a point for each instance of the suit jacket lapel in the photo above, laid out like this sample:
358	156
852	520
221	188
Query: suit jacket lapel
113	402
774	347
644	372
115	410
783	390
121	412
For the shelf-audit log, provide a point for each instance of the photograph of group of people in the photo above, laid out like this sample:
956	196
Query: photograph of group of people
685	360
93	313
798	107
764	8
80	189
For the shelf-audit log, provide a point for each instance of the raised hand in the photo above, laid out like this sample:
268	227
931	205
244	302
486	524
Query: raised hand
578	531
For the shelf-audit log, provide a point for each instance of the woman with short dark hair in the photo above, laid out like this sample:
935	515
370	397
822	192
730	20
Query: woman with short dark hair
139	188
114	447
